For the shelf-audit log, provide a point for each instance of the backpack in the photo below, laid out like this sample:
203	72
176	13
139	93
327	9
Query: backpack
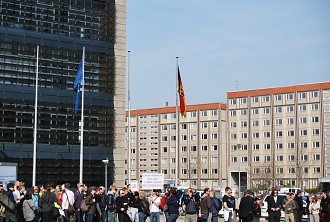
163	202
191	207
145	208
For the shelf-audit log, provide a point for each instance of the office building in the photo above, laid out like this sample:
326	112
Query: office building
62	29
201	137
279	136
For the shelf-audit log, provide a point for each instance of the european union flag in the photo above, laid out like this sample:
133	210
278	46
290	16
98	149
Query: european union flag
78	85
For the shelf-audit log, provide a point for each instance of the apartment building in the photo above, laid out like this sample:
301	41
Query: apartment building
279	136
201	136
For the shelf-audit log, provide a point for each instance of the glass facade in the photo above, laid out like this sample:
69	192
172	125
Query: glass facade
61	29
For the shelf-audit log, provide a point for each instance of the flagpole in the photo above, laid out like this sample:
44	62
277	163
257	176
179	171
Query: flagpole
129	118
34	171
177	126
82	119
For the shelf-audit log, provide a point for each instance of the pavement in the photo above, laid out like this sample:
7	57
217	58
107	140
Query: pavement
181	219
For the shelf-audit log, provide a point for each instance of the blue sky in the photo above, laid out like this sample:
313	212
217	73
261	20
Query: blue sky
259	44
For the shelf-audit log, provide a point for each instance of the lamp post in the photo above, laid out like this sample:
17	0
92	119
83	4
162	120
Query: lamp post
239	171
106	162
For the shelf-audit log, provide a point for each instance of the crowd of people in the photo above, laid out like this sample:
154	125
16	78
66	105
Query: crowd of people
51	203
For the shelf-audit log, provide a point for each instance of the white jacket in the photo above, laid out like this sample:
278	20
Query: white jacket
314	208
67	197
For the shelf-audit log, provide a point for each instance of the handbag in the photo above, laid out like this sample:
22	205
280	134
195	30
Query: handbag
165	208
83	206
35	211
71	209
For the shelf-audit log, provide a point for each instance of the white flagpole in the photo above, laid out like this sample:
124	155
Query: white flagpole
177	126
82	119
34	171
129	118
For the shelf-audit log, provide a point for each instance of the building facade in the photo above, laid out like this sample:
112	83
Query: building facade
279	136
201	145
62	29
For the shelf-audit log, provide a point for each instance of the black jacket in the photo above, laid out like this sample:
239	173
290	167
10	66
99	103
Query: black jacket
246	207
272	204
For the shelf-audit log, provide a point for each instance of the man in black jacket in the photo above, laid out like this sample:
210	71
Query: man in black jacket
274	207
122	207
11	215
299	206
246	206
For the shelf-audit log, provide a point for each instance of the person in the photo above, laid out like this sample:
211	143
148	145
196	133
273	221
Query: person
325	204
236	208
122	206
144	210
308	202
173	205
191	202
289	207
11	214
29	209
22	193
154	202
162	204
102	201
228	205
67	199
35	197
59	193
205	205
216	206
274	207
5	204
256	211
298	213
134	203
314	210
90	202
246	207
78	197
112	208
47	203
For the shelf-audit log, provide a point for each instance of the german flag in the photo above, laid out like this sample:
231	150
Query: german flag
181	94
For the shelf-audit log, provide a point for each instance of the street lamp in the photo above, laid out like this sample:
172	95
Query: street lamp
106	162
239	171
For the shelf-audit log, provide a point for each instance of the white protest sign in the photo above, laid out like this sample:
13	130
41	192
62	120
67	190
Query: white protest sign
134	186
152	181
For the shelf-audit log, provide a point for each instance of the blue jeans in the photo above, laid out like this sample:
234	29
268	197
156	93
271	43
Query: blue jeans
173	217
89	217
154	217
112	216
167	216
142	217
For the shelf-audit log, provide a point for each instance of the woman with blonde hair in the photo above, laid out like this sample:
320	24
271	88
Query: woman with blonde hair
314	210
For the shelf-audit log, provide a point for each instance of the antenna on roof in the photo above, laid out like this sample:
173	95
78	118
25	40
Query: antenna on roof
236	84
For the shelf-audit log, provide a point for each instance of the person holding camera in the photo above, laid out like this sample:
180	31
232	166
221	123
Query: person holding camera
191	204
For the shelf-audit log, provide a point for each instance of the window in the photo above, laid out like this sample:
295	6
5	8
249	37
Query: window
164	160
204	171
279	170
164	171
302	95
183	148
265	99
214	171
244	135
266	110
289	96
266	134
291	157
290	121
164	138
315	94
267	146
204	125
316	132
278	122
164	149
214	147
279	146
244	124
255	111
164	116
279	133
255	123
292	170
278	109
243	100
214	159
193	148
164	127
266	158
234	159
204	148
278	97
243	112
303	132
203	113
172	160
304	157
173	126
193	125
279	158
214	124
204	159
183	171
233	113
233	125
291	133
214	112
172	171
193	114
315	106
255	99
315	144
290	145
244	159
233	102
256	170
317	170
289	109
302	108
183	125
303	119
303	145
305	170
317	157
256	159
255	135
266	122
214	136
204	136
315	119
173	115
233	136
173	138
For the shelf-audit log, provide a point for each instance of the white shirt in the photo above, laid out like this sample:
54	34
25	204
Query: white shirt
154	207
68	195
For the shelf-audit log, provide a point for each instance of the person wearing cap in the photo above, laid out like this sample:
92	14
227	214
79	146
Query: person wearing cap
289	207
122	206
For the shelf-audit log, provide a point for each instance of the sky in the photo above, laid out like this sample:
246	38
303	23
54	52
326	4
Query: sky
224	46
